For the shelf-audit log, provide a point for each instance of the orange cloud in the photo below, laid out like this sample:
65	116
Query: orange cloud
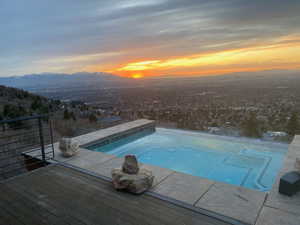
144	65
283	53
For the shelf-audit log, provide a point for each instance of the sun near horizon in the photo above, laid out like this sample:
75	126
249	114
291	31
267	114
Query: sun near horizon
137	76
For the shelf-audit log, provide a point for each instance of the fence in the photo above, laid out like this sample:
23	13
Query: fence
27	134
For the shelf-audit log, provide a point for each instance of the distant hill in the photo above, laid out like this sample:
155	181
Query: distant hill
17	103
74	86
85	80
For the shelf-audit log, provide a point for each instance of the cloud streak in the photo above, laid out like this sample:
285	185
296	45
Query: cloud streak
93	35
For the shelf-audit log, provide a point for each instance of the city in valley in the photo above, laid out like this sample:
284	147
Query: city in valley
259	104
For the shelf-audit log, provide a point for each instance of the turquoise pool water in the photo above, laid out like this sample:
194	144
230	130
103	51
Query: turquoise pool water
250	163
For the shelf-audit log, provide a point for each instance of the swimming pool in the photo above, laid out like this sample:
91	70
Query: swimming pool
249	163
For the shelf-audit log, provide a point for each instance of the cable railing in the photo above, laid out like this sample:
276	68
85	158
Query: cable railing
22	138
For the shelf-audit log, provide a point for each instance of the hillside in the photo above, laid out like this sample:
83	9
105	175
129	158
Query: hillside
16	103
67	118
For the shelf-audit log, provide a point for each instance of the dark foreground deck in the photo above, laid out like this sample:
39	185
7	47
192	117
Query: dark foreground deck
59	195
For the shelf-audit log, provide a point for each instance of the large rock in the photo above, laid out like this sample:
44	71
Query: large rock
134	183
131	178
130	165
68	147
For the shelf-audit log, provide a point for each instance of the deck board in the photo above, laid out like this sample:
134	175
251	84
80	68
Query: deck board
61	196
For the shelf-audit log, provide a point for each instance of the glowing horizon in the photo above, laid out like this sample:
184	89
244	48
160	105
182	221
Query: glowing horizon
283	53
150	38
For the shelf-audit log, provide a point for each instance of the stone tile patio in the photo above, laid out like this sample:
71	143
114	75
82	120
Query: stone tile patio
271	216
281	202
250	206
90	159
184	187
296	140
105	168
236	202
160	174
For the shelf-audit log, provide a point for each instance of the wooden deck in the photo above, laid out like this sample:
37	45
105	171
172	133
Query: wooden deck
59	195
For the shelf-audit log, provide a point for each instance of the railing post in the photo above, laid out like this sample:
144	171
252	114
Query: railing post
42	139
51	136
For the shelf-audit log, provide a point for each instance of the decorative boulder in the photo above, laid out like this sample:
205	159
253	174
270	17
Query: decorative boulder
130	165
68	147
136	183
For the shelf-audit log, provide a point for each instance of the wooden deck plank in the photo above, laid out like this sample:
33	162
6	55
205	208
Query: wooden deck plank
54	207
16	206
60	195
7	219
48	208
29	200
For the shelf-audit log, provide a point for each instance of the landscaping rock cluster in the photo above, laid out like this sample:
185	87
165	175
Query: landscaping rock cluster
131	178
68	146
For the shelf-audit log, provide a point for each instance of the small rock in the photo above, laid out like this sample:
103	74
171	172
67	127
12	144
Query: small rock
68	146
130	165
134	183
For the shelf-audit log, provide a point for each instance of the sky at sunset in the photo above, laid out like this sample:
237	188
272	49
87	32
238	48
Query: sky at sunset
138	38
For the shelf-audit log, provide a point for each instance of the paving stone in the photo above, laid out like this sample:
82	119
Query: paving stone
183	187
296	140
105	168
271	216
60	158
90	159
294	150
159	173
286	203
233	201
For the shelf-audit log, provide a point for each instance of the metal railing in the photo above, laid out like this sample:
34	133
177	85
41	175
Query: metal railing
25	144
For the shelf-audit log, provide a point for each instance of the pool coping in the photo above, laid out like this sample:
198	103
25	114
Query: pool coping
246	205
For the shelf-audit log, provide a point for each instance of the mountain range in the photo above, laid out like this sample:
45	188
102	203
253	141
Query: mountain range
51	82
32	82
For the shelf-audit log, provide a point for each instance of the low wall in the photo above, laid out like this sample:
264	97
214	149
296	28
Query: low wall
119	134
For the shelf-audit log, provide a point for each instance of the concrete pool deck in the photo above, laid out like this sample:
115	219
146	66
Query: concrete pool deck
246	205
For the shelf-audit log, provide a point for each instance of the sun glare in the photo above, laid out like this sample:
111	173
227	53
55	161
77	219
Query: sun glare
136	76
